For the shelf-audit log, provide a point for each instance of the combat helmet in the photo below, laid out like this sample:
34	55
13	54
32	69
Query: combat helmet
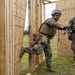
56	11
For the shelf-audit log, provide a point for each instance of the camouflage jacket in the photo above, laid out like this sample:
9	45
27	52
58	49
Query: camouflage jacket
49	27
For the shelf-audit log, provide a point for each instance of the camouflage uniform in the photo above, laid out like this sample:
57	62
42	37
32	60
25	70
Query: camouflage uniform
73	44
71	34
48	29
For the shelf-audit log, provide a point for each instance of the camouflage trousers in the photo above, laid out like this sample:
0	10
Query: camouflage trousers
73	45
73	48
38	48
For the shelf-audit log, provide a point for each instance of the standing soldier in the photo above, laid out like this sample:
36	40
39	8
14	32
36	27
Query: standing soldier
47	31
71	36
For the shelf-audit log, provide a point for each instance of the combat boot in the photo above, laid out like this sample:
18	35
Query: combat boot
73	64
51	70
22	51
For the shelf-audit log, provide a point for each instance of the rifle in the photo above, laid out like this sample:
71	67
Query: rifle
67	28
70	25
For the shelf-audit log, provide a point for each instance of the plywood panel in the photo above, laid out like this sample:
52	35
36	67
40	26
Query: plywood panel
16	54
15	1
68	10
15	9
19	24
17	38
11	35
15	20
17	67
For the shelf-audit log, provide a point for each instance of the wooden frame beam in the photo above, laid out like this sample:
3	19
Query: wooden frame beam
9	37
49	1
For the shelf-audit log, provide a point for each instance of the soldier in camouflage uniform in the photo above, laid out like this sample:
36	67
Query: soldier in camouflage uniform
71	36
47	31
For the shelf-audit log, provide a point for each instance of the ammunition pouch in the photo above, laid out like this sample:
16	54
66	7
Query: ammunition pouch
44	39
35	39
46	29
41	37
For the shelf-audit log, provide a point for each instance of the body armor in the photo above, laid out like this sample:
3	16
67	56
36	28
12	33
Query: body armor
45	29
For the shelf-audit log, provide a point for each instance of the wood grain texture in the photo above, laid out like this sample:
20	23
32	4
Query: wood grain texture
68	10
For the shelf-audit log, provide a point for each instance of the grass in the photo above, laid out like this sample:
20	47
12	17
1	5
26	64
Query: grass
62	63
24	60
24	65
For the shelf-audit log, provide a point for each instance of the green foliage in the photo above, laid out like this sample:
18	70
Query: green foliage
24	60
26	32
24	64
25	41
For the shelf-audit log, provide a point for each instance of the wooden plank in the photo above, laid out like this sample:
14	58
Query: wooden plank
15	9
18	11
16	53
18	35
38	18
23	14
2	56
15	1
20	2
37	25
18	71
41	20
15	20
17	67
43	14
22	23
32	31
9	37
2	38
2	17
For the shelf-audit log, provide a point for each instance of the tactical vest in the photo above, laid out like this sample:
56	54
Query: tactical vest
48	30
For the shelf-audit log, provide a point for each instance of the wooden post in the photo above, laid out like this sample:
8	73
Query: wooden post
31	6
42	15
37	25
6	37
39	15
